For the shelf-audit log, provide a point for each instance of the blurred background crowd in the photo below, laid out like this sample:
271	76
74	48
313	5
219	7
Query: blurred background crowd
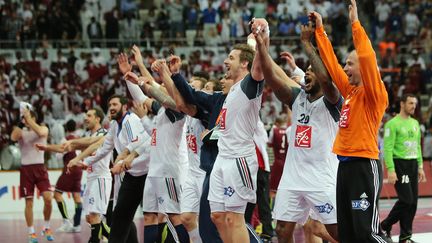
60	55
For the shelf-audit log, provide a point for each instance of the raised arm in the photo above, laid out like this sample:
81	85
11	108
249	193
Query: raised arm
375	90
152	89
331	93
328	56
41	131
280	83
16	134
166	73
139	61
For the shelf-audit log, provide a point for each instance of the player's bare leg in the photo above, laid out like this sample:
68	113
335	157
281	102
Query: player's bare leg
189	220
284	231
309	235
47	197
236	227
219	219
28	212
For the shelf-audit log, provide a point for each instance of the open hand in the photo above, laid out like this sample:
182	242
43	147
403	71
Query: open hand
307	32
159	66
127	162
137	55
353	14
289	58
140	109
117	168
392	177
123	62
67	146
41	147
421	176
174	63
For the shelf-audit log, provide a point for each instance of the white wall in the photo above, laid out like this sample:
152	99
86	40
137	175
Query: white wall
10	201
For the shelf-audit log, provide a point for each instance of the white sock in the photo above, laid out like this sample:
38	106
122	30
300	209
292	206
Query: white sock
31	230
194	236
65	221
47	224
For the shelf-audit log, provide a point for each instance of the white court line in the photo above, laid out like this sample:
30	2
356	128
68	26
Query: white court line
420	238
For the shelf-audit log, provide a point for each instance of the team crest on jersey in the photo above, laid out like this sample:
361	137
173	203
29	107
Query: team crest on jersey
303	136
229	191
326	208
362	204
221	118
91	200
192	143
89	169
160	200
153	137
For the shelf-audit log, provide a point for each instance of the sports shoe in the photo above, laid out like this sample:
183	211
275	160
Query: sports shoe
66	227
76	229
266	238
32	238
48	234
407	241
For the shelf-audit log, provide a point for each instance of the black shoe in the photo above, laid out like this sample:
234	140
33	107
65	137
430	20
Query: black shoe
266	238
407	241
386	230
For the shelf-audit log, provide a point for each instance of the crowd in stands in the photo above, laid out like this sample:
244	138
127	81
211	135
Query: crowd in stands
66	84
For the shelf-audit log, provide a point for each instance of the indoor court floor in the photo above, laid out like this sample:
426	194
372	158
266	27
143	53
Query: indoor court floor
13	229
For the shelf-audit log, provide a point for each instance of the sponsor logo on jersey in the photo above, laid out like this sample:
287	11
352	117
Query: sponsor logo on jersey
229	191
303	136
326	208
153	137
344	116
362	204
192	143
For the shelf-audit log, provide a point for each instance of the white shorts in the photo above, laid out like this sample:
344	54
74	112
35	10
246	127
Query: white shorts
233	182
296	206
97	195
162	195
191	193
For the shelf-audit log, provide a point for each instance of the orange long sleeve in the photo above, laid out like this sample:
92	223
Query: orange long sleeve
364	106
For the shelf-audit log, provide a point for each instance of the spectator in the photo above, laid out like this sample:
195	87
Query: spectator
112	27
411	24
416	59
94	32
209	21
175	13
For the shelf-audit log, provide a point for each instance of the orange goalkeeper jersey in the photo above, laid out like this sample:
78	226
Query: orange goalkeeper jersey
364	105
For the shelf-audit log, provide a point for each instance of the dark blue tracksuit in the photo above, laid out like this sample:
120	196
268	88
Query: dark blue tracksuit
209	107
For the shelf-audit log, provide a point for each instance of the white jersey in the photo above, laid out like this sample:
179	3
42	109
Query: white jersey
128	134
30	155
261	140
310	164
99	169
239	117
168	150
194	128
